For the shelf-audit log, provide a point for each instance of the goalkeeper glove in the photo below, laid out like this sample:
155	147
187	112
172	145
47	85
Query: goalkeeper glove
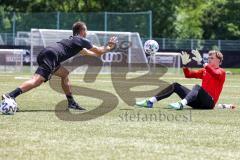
185	58
198	57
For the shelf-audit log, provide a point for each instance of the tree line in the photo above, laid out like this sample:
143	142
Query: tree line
199	19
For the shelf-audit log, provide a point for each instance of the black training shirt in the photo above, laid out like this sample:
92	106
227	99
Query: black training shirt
67	48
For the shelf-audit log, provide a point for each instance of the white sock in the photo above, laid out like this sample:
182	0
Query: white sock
184	102
153	99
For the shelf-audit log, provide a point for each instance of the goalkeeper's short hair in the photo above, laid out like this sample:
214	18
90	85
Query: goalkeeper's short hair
218	54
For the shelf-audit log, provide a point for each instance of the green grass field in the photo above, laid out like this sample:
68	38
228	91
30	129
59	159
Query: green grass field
37	133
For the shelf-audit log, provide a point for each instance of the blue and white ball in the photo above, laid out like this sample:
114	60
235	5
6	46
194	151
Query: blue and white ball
151	47
8	106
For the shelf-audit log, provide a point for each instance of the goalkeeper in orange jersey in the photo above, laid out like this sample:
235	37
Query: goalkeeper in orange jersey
199	97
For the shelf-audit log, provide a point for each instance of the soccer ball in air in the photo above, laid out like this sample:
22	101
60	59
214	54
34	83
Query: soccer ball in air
151	47
8	106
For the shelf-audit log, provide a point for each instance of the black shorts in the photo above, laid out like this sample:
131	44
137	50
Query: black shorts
197	98
203	100
48	63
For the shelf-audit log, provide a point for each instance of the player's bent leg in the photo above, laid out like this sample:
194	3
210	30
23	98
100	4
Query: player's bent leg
65	83
177	88
190	97
193	94
34	82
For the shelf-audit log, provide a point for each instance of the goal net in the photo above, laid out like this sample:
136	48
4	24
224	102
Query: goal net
13	60
172	60
129	48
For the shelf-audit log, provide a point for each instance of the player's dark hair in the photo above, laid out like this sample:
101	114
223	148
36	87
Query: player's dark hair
77	27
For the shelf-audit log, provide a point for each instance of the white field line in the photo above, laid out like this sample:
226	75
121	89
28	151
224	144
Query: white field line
6	75
109	81
167	78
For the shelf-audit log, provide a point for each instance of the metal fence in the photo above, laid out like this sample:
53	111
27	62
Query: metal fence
189	44
15	26
13	22
23	39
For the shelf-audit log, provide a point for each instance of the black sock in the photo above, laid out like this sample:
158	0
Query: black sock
15	93
70	98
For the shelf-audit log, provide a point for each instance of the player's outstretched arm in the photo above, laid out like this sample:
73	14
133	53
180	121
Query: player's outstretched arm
87	52
103	49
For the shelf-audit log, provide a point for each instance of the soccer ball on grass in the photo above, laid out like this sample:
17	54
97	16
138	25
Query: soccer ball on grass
8	106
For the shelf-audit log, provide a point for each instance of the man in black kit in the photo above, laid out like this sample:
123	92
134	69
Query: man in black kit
50	58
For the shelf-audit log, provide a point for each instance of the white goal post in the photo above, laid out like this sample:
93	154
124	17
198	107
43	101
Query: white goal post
129	47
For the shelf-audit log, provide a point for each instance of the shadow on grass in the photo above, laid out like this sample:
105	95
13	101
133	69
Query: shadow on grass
194	109
42	110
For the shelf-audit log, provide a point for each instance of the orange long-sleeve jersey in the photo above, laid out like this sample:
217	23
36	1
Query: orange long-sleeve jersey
212	79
